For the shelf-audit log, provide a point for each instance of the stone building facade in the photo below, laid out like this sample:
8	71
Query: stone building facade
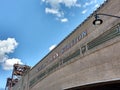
90	54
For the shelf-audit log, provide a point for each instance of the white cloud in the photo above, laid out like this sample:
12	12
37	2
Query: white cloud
53	11
78	5
56	3
6	47
70	3
97	5
84	11
52	47
8	64
89	3
56	9
64	20
43	0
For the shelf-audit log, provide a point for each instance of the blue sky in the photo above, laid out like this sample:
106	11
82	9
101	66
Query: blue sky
29	29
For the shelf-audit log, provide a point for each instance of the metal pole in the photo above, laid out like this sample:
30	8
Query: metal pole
108	15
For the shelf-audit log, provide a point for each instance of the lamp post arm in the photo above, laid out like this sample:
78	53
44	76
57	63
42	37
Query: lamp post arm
108	15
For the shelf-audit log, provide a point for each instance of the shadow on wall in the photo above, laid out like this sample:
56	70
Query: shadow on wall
111	85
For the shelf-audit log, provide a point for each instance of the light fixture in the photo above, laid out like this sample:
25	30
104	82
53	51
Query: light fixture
99	21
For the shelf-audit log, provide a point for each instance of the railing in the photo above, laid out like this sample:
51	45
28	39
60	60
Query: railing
108	35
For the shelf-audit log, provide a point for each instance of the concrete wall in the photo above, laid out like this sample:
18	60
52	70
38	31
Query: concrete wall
99	64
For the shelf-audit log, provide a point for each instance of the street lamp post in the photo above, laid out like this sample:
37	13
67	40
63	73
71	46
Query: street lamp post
99	21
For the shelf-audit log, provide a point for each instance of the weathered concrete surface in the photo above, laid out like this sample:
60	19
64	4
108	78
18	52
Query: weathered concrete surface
100	64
